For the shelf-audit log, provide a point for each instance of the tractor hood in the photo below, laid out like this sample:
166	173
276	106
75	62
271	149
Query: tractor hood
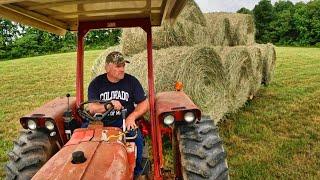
104	159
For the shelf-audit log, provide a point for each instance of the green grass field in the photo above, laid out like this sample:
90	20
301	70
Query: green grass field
276	135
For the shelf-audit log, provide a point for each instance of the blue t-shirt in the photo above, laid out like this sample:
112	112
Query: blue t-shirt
128	91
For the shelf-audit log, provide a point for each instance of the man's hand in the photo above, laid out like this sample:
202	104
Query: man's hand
131	122
116	105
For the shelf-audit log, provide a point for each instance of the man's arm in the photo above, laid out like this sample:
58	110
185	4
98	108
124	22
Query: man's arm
96	108
139	110
99	108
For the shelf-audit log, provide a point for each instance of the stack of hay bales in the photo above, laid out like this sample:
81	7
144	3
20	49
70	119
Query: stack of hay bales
189	29
214	55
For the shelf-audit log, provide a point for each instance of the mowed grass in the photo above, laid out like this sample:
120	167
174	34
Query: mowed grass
276	135
28	83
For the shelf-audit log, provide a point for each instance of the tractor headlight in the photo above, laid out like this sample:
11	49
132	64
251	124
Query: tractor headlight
49	125
189	117
168	119
32	124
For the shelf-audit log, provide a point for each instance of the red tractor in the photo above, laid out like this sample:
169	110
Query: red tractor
52	144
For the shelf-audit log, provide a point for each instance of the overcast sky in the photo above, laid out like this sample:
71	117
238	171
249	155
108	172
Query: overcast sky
230	5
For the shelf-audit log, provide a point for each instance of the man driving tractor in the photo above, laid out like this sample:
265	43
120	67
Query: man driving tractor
125	92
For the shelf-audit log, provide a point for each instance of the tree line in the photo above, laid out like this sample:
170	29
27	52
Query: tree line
18	41
285	23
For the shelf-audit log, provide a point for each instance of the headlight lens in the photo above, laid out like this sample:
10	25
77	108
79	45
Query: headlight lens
189	117
32	124
168	119
49	125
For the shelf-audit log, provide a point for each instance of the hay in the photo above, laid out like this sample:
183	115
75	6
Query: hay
243	29
257	65
192	28
192	13
230	29
218	28
188	30
238	66
269	61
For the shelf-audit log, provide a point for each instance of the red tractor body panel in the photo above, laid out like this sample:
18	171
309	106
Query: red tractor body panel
175	101
107	156
53	110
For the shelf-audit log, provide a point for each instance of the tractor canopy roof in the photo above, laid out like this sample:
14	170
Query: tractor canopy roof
58	16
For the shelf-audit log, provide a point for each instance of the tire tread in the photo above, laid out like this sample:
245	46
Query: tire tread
201	150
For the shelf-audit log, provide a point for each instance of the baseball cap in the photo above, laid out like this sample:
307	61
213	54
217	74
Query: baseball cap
116	58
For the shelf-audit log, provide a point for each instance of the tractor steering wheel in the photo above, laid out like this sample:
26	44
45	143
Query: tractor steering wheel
83	112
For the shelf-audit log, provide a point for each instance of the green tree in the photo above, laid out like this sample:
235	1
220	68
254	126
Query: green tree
263	15
244	10
301	21
314	15
102	38
8	33
282	26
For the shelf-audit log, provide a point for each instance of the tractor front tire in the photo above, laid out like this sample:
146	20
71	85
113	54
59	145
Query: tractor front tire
30	152
202	155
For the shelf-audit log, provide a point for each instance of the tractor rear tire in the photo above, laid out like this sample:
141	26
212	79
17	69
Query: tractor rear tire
202	155
30	152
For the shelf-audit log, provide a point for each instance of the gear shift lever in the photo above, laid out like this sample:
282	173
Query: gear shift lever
123	114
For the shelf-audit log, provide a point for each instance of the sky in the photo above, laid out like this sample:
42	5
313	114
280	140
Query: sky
230	5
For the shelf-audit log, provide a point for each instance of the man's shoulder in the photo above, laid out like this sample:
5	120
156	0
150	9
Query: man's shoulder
130	77
99	77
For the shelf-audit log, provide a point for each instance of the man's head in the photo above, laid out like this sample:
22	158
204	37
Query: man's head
115	64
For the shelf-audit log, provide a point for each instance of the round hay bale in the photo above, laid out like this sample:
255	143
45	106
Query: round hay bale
257	66
238	65
192	13
243	29
230	29
268	54
218	28
188	30
133	40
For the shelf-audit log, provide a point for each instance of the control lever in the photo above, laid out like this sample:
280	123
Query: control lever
68	119
68	97
123	114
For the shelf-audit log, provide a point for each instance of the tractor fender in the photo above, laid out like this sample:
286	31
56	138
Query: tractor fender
173	101
53	111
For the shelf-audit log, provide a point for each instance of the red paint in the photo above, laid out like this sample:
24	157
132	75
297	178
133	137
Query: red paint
177	103
156	136
52	110
132	152
144	126
80	135
80	56
105	159
144	23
